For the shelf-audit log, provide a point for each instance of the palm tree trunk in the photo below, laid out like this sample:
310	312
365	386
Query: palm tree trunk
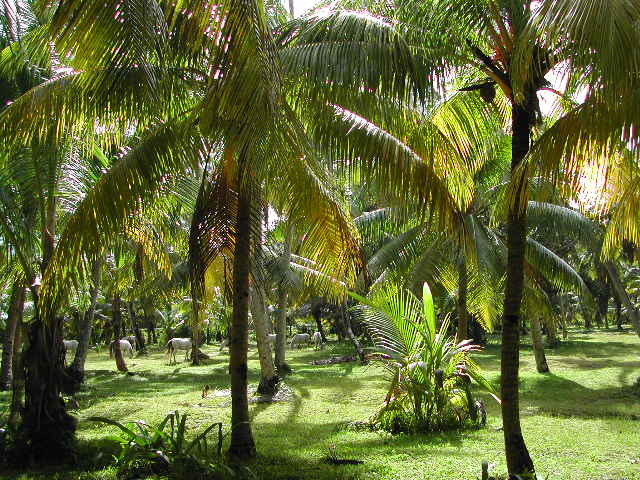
135	324
121	365
77	367
463	314
622	295
14	319
347	322
268	378
552	333
281	317
538	346
242	444
17	388
518	459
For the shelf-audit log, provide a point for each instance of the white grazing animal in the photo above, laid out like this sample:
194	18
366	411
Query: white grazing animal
131	339
224	344
317	340
125	346
300	338
70	345
179	344
272	337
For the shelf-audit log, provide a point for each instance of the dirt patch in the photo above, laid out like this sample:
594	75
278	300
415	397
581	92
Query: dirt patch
284	394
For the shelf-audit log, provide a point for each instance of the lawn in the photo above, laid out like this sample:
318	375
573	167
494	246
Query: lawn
581	422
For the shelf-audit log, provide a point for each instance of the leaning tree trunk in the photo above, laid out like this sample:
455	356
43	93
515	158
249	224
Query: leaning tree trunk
622	295
552	332
538	346
86	328
518	459
14	319
116	317
268	377
121	364
462	332
281	316
317	316
242	445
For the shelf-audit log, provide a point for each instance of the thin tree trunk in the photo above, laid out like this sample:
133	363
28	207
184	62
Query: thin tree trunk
538	346
17	387
623	296
268	377
121	364
116	318
281	317
462	332
14	319
242	444
347	322
142	348
317	316
291	9
77	367
518	459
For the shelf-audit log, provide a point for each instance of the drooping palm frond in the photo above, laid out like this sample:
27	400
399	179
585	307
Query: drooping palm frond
119	194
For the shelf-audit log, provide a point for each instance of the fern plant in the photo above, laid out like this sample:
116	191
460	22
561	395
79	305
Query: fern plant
430	374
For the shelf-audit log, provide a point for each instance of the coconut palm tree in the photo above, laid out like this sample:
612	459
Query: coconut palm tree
205	90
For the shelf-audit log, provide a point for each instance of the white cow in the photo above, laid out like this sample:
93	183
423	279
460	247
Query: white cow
300	338
70	345
224	344
125	346
272	337
179	344
317	340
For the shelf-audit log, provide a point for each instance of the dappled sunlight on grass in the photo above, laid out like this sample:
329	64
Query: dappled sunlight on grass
581	421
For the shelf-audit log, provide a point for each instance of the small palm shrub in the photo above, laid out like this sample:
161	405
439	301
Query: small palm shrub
145	449
429	374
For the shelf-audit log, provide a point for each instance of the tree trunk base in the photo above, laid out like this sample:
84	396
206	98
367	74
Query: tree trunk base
284	370
268	386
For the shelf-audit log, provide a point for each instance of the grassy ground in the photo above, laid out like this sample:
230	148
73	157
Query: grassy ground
581	422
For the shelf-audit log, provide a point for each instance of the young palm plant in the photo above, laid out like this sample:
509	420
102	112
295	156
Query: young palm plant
430	373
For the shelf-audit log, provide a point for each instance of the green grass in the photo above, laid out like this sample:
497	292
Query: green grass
581	422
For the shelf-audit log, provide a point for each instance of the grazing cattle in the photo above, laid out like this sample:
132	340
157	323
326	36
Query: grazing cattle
300	338
224	343
125	346
271	337
317	340
178	344
70	345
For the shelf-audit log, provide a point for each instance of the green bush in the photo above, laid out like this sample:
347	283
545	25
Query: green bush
429	374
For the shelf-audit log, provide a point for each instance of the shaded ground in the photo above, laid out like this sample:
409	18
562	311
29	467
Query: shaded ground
580	421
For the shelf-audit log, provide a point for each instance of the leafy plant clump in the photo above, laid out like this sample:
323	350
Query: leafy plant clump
429	373
164	449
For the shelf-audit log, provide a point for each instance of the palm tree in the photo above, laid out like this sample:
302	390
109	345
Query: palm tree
222	100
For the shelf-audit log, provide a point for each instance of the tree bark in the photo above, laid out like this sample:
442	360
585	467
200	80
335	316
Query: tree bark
347	323
552	333
121	364
462	332
242	445
518	459
538	346
268	378
281	316
142	348
77	367
14	319
17	387
116	317
622	295
316	312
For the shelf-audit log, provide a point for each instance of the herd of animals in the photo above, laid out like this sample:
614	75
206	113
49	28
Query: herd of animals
126	344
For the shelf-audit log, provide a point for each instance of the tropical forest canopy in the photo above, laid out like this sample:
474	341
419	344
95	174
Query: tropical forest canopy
426	192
